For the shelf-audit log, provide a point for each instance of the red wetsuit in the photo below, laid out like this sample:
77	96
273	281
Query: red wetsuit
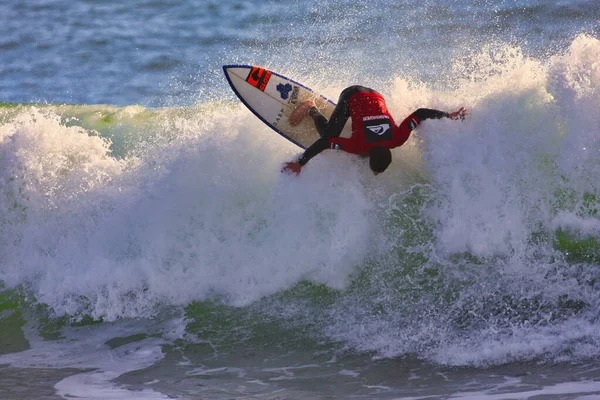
372	124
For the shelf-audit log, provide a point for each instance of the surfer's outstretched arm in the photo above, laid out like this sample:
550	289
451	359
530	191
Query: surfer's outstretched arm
425	113
313	150
415	119
317	147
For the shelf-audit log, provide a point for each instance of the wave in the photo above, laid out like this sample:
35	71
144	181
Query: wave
482	234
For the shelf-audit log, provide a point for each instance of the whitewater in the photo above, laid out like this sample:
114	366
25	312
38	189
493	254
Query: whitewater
156	251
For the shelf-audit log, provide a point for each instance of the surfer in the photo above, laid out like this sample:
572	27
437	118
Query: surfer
374	131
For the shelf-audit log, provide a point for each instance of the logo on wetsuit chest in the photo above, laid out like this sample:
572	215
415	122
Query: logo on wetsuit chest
377	128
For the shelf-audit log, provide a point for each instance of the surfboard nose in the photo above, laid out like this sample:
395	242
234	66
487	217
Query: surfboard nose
272	97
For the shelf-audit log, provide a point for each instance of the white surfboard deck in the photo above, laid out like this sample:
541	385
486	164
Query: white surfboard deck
272	97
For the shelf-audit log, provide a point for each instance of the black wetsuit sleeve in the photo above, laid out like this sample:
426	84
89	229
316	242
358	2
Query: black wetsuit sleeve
313	150
425	113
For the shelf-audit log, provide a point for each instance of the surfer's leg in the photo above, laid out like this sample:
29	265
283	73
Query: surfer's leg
333	127
321	122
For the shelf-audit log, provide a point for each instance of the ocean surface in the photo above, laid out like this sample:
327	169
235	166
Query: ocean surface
150	248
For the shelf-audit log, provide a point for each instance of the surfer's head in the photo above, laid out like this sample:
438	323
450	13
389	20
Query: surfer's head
379	159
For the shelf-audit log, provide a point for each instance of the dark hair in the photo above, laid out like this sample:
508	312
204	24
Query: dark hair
379	158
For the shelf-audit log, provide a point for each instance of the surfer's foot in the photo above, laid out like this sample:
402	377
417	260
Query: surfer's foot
301	111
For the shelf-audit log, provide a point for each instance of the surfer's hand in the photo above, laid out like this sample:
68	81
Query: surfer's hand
460	114
292	167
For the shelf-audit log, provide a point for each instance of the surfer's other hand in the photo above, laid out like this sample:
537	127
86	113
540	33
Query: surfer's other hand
460	114
292	168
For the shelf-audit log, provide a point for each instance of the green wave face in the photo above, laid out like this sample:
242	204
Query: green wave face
479	237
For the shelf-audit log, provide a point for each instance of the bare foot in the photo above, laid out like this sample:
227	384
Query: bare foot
301	111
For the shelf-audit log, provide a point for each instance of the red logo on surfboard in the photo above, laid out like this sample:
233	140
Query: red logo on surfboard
259	77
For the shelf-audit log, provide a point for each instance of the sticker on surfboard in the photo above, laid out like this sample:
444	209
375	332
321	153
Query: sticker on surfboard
259	78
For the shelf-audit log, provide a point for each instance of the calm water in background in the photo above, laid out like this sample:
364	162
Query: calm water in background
170	52
145	252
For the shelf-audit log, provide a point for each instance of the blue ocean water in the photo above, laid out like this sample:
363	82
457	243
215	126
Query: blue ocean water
150	247
157	53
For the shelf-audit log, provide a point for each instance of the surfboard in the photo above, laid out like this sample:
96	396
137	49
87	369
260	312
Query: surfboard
272	97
